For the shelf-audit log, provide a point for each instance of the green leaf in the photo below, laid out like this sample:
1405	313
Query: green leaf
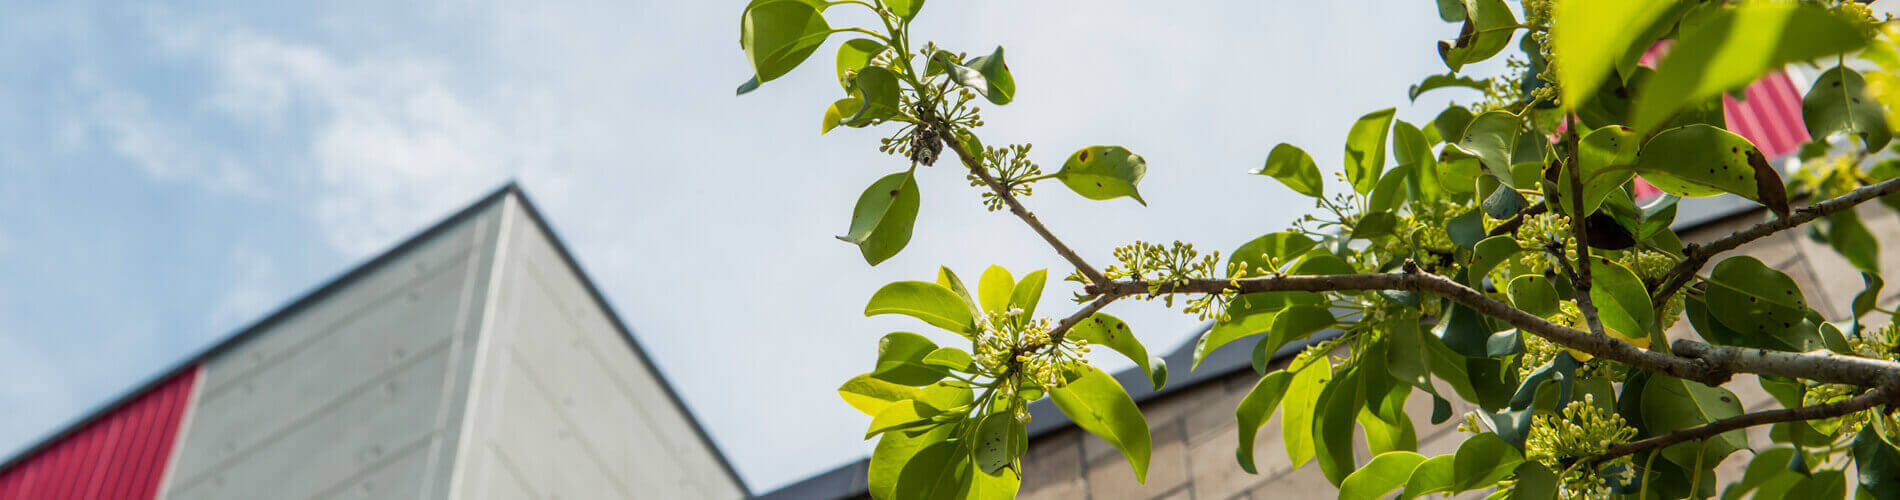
906	9
1104	172
1464	331
1561	369
1297	323
1488	27
1263	254
873	396
834	114
1533	294
1447	80
1468	229
950	358
1534	482
1839	102
1099	405
1482	461
855	55
930	302
1823	485
881	223
1339	403
949	280
1732	47
1451	122
1671	404
1504	203
1299	405
1255	410
1384	473
777	35
1492	137
1294	168
1373	226
938	471
1878	464
1389	194
1700	160
1850	238
1028	292
994	289
1869	296
1451	10
900	360
1605	157
997	441
987	75
748	86
1622	303
1414	151
1409	360
1754	298
1488	254
1766	465
876	89
1365	149
896	450
1109	331
1594	36
1431	476
901	415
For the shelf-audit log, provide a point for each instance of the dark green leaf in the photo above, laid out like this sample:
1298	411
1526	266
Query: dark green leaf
1255	410
1390	192
1451	10
881	222
1365	149
987	75
1374	226
1671	404
1489	25
1733	46
1487	255
1293	167
1838	102
876	89
1561	369
1339	404
1468	229
1464	331
1878	464
777	35
1850	238
1869	295
1534	482
1104	172
1700	160
1448	80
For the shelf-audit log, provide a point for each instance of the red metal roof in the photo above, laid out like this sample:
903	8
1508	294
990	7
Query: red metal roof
122	454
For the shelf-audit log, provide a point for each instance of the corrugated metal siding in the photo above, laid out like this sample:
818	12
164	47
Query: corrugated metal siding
1770	117
120	455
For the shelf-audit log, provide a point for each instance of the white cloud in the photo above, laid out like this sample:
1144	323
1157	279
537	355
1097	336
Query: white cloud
124	122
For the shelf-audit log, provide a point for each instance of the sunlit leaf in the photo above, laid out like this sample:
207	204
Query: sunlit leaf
1384	473
1489	25
1294	168
1104	172
1699	160
1732	47
1365	149
1109	331
930	302
1098	404
777	35
881	223
1593	36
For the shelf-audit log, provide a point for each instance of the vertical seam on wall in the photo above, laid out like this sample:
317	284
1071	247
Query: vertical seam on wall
1082	457
470	405
184	432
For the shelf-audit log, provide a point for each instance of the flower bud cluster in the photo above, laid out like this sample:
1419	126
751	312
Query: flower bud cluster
1005	345
1161	266
1542	233
1582	430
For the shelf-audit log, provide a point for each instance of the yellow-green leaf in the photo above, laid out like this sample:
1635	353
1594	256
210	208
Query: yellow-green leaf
1104	172
1732	47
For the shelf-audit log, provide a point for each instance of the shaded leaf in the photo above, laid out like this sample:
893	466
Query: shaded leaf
1448	80
1487	30
1838	102
987	75
1255	410
1492	138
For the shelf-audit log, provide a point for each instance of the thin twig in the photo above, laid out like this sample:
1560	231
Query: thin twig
1699	255
1581	281
1869	399
1063	327
1016	207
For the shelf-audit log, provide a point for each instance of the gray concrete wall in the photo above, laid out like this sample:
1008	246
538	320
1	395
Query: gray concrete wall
1195	433
562	406
357	395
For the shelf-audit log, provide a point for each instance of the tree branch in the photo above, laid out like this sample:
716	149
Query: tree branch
1708	364
1580	283
975	165
1882	394
1063	327
1697	256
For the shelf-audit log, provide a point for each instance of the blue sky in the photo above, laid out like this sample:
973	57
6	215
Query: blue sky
172	172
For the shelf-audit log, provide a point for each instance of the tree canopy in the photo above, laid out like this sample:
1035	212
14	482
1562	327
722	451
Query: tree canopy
1496	254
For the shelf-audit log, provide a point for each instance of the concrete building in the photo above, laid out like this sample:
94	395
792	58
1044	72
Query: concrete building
473	361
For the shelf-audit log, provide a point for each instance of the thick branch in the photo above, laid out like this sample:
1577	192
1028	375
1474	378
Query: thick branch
1869	399
1698	256
1709	364
975	164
